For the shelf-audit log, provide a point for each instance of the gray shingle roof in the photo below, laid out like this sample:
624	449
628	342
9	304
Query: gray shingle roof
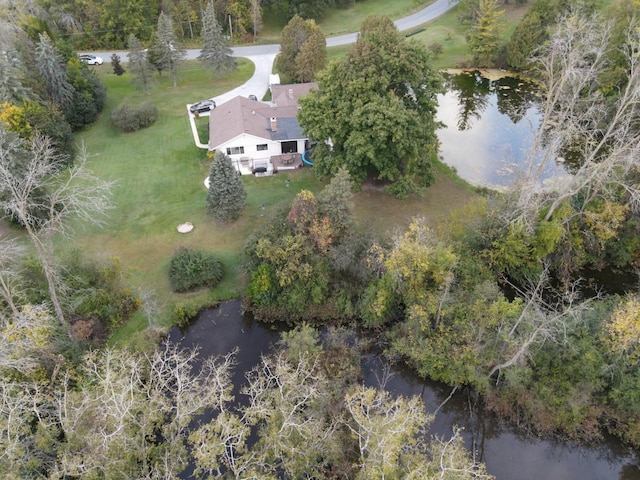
241	115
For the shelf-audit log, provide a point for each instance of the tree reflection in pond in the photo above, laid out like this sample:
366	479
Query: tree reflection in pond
489	125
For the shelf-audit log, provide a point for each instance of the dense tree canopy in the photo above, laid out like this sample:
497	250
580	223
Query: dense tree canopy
303	50
374	111
93	24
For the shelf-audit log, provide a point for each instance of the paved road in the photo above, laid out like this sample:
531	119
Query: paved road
425	15
263	55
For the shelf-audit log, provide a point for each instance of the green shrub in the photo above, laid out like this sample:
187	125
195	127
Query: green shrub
128	119
183	313
124	118
193	269
147	114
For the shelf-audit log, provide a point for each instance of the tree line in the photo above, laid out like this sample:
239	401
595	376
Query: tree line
108	24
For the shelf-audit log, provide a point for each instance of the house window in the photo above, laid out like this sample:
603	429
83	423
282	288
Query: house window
262	147
235	150
289	147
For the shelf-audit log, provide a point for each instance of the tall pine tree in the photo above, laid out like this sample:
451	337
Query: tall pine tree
484	37
227	197
165	53
139	65
53	71
216	55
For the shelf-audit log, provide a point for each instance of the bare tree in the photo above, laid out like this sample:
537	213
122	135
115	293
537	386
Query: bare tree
139	65
23	405
28	341
391	435
383	427
130	398
540	321
284	396
577	116
10	252
44	197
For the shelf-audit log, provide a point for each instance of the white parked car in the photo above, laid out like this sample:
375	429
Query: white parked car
90	59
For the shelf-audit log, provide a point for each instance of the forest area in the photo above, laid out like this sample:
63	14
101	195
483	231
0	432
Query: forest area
107	24
505	300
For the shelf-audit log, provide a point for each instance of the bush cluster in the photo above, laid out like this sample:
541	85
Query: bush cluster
192	269
130	119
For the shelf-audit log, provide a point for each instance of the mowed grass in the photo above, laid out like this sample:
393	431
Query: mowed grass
451	35
339	21
348	20
448	32
158	176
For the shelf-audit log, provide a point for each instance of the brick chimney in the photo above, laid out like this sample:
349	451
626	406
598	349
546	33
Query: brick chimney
274	124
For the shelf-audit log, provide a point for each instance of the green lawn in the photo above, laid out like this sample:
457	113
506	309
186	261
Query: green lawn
452	36
447	31
158	176
346	20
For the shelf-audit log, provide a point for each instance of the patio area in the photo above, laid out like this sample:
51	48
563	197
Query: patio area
286	161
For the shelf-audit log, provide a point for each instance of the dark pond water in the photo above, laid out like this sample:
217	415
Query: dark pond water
507	454
489	127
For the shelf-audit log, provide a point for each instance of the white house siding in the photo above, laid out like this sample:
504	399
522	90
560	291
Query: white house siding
251	152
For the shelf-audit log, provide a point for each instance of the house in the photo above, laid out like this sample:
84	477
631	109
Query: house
261	137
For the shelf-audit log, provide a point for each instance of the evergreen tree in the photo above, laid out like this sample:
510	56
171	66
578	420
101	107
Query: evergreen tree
216	54
227	197
53	71
484	37
139	65
89	96
12	88
165	53
528	35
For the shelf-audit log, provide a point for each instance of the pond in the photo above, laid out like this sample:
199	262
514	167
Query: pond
507	454
489	125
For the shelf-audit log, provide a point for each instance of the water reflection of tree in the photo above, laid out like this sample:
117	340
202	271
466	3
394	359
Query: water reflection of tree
514	97
473	92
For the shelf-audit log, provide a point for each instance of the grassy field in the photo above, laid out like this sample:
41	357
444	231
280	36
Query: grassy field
158	176
447	31
345	20
159	173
